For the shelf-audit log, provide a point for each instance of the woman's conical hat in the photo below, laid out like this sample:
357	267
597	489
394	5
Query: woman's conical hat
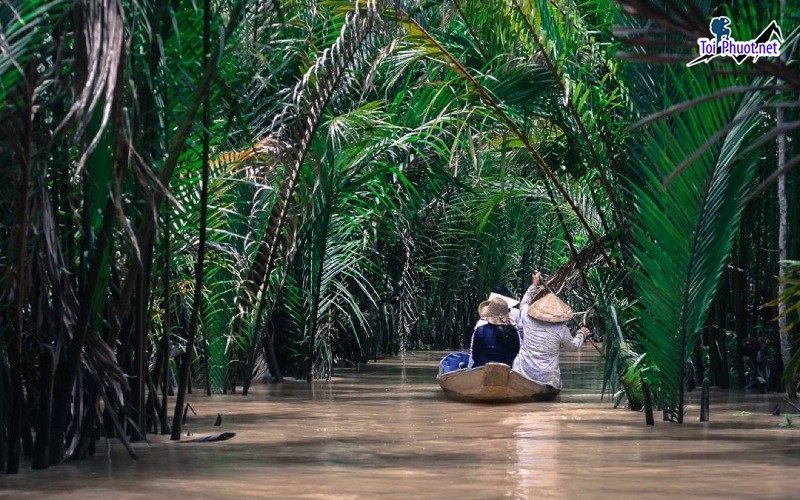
550	309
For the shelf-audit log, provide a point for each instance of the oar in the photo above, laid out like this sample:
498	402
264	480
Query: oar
583	324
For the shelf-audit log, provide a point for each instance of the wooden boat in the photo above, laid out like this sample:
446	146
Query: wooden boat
491	383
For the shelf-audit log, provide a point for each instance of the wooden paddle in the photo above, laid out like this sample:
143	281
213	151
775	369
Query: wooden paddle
591	337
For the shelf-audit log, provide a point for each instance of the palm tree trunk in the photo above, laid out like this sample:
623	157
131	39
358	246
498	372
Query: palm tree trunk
261	324
140	351
15	342
41	452
165	340
206	139
740	301
783	241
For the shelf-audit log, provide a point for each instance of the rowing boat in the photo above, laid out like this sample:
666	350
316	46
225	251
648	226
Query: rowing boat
491	383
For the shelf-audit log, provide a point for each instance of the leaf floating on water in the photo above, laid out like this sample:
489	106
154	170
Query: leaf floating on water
212	438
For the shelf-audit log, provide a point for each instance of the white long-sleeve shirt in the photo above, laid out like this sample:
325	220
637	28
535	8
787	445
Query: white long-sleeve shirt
541	345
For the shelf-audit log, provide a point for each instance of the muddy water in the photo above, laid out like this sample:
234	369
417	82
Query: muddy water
386	431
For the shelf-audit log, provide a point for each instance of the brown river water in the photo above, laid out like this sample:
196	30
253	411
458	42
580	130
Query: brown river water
387	431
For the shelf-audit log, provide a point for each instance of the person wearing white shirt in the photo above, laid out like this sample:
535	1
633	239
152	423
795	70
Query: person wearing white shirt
545	332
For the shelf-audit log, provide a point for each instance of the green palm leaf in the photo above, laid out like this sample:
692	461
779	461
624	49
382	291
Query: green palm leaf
683	233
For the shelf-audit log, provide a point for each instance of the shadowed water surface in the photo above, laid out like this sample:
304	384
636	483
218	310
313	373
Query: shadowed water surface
386	430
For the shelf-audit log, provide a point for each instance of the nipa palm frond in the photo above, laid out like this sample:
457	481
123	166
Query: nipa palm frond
296	127
684	232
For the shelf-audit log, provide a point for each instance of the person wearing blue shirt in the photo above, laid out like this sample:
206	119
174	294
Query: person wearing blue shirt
496	341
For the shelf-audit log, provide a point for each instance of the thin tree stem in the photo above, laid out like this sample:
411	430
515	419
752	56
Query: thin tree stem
165	337
183	381
15	342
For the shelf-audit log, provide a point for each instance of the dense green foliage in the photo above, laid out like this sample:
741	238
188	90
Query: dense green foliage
373	170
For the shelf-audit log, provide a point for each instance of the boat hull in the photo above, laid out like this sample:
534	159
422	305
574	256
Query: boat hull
493	383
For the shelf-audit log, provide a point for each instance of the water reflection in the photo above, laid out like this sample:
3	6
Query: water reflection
535	468
386	430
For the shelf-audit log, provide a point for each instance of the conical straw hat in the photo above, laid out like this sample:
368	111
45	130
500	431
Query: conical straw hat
550	309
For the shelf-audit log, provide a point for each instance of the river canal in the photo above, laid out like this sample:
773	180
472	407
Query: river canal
386	431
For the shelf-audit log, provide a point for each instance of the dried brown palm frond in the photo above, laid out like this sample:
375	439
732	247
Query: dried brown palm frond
406	296
103	30
265	150
294	128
